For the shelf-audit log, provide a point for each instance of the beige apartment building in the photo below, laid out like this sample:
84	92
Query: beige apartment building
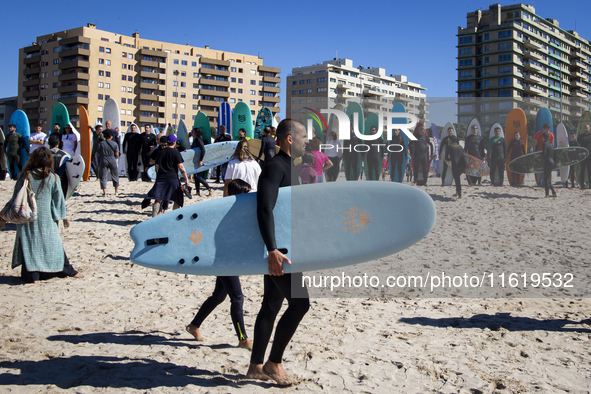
153	82
509	57
337	81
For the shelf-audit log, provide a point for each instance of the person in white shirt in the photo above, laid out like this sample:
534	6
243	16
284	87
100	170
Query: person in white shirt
243	166
37	139
69	141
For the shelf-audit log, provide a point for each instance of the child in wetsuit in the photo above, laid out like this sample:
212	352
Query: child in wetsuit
226	285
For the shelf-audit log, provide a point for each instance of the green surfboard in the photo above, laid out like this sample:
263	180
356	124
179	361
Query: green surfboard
264	119
60	115
585	119
202	122
242	119
373	119
352	108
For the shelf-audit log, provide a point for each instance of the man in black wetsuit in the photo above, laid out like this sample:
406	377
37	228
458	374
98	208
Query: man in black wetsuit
571	173
454	153
396	158
149	142
221	169
350	155
267	146
97	138
278	172
497	154
548	160
420	149
14	143
474	146
374	156
445	143
132	145
585	166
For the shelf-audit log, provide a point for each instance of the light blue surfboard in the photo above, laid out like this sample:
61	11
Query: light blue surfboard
359	224
399	107
23	127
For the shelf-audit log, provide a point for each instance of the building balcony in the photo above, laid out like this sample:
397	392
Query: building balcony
403	98
532	112
31	105
209	103
148	97
533	89
275	110
74	52
75	40
150	74
149	86
32	60
31	71
532	55
577	54
576	63
532	44
272	99
149	119
343	86
30	94
579	104
74	100
532	66
272	79
32	48
579	74
31	82
533	78
267	69
271	89
148	108
580	84
151	64
217	93
214	72
534	101
579	94
73	88
372	92
79	63
210	114
213	82
73	75
215	62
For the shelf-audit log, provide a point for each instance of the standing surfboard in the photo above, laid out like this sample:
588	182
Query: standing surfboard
473	122
225	114
516	123
561	139
21	121
373	119
111	112
74	170
264	119
352	109
399	107
183	135
448	174
419	175
491	135
85	141
436	140
543	116
585	119
274	122
255	145
60	115
166	130
358	223
242	119
202	122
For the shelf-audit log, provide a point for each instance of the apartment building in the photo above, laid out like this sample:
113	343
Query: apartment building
154	82
337	81
509	57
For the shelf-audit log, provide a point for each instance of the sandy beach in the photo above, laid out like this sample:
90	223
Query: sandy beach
121	327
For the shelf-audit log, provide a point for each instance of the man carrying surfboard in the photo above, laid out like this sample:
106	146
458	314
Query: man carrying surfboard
474	146
278	172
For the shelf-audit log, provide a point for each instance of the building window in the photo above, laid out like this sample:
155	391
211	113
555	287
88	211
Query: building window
253	82
100	96
465	51
239	91
130	67
183	63
193	64
310	90
466	85
129	89
504	58
465	40
252	102
123	100
123	89
124	54
176	61
129	101
505	81
108	74
101	73
175	83
56	73
505	34
130	78
101	49
101	85
233	69
183	84
108	62
239	80
107	86
253	92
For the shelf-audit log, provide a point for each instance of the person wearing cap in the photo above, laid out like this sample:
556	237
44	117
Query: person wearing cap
474	146
168	186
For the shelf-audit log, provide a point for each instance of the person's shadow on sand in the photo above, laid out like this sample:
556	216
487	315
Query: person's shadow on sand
117	372
500	320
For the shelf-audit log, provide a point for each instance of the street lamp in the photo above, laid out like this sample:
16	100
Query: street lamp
176	106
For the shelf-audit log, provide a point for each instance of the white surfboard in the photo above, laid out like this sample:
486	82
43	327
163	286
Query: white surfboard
562	142
74	170
111	112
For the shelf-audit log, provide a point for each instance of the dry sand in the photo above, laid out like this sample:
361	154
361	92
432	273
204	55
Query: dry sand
121	328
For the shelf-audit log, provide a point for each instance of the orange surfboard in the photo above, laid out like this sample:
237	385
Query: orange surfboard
85	141
516	121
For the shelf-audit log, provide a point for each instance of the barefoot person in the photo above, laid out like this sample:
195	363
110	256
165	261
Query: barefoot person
224	286
107	154
277	285
548	160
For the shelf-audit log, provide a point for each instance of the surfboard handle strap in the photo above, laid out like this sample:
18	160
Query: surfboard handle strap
283	250
157	241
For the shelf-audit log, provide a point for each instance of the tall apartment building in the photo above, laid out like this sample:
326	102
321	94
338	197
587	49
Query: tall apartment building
326	84
154	82
511	57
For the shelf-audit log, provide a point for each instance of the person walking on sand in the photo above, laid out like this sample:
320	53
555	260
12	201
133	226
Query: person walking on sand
279	172
454	154
107	154
571	173
548	160
474	146
224	286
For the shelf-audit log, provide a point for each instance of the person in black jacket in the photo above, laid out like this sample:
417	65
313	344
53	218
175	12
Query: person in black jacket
420	151
496	158
445	143
132	145
571	173
148	144
200	176
548	160
474	146
585	142
268	144
454	153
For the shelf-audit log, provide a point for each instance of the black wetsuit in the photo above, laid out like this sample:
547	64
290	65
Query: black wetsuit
548	159
268	144
455	155
396	158
474	146
420	149
14	143
221	170
200	177
148	141
585	142
94	162
278	172
374	158
445	143
496	161
351	157
571	172
132	145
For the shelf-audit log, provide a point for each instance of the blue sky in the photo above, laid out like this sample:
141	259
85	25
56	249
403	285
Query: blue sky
416	38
